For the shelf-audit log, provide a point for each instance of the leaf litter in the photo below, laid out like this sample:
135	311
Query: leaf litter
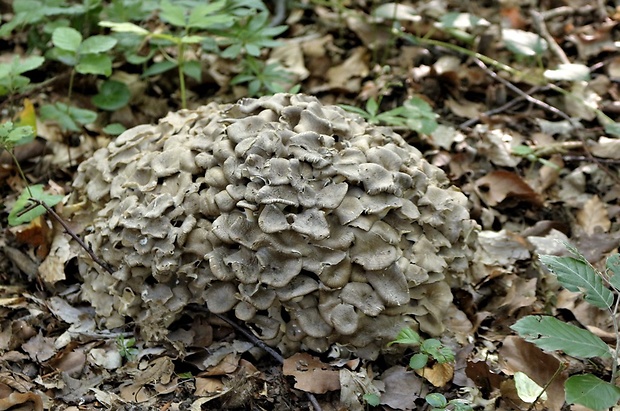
52	355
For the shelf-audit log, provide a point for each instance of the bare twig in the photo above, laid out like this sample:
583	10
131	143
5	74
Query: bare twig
539	22
73	235
261	344
522	93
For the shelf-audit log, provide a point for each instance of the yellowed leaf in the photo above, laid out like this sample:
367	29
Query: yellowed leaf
439	374
593	215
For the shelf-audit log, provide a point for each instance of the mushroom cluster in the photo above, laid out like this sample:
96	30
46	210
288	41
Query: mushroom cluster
301	220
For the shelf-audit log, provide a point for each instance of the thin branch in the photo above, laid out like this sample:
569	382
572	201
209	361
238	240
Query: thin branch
522	93
261	344
539	22
73	235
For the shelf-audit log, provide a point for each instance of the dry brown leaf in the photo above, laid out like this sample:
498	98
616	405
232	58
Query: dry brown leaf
518	355
52	269
402	388
594	215
40	348
311	374
439	374
506	188
135	392
348	75
226	366
209	386
17	398
158	370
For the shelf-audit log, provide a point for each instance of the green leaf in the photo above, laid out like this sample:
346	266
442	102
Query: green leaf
613	270
527	389
95	64
372	107
552	334
160	67
124	28
356	110
67	38
173	14
578	276
418	361
372	399
193	69
27	64
112	95
205	15
436	400
591	392
22	203
21	135
97	44
68	118
613	129
407	336
114	129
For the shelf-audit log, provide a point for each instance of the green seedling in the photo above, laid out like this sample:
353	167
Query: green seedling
438	402
67	117
126	348
415	114
11	79
263	77
112	95
429	348
24	210
86	56
600	289
189	20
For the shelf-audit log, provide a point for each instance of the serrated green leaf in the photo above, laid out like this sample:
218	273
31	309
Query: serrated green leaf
591	392
97	44
173	14
67	38
36	192
613	270
407	336
95	64
578	276
552	334
21	135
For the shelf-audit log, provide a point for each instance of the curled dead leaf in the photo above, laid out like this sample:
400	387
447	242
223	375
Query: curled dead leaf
507	189
17	398
312	375
439	374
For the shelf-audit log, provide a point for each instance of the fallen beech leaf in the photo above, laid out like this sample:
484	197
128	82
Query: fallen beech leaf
17	398
517	354
349	74
507	188
228	365
439	374
158	370
402	388
312	375
40	348
593	215
209	386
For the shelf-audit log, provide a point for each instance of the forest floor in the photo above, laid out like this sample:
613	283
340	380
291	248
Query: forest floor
526	96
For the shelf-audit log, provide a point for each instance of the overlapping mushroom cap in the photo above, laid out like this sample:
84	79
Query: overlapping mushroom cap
301	219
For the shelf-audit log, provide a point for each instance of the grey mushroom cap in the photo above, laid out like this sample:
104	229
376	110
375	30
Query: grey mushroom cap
296	217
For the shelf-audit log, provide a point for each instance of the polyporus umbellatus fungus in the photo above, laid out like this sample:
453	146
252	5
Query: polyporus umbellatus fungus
301	219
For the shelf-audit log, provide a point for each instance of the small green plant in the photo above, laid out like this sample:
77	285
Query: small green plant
263	77
68	117
599	289
429	348
415	114
11	79
126	347
438	402
86	56
24	210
